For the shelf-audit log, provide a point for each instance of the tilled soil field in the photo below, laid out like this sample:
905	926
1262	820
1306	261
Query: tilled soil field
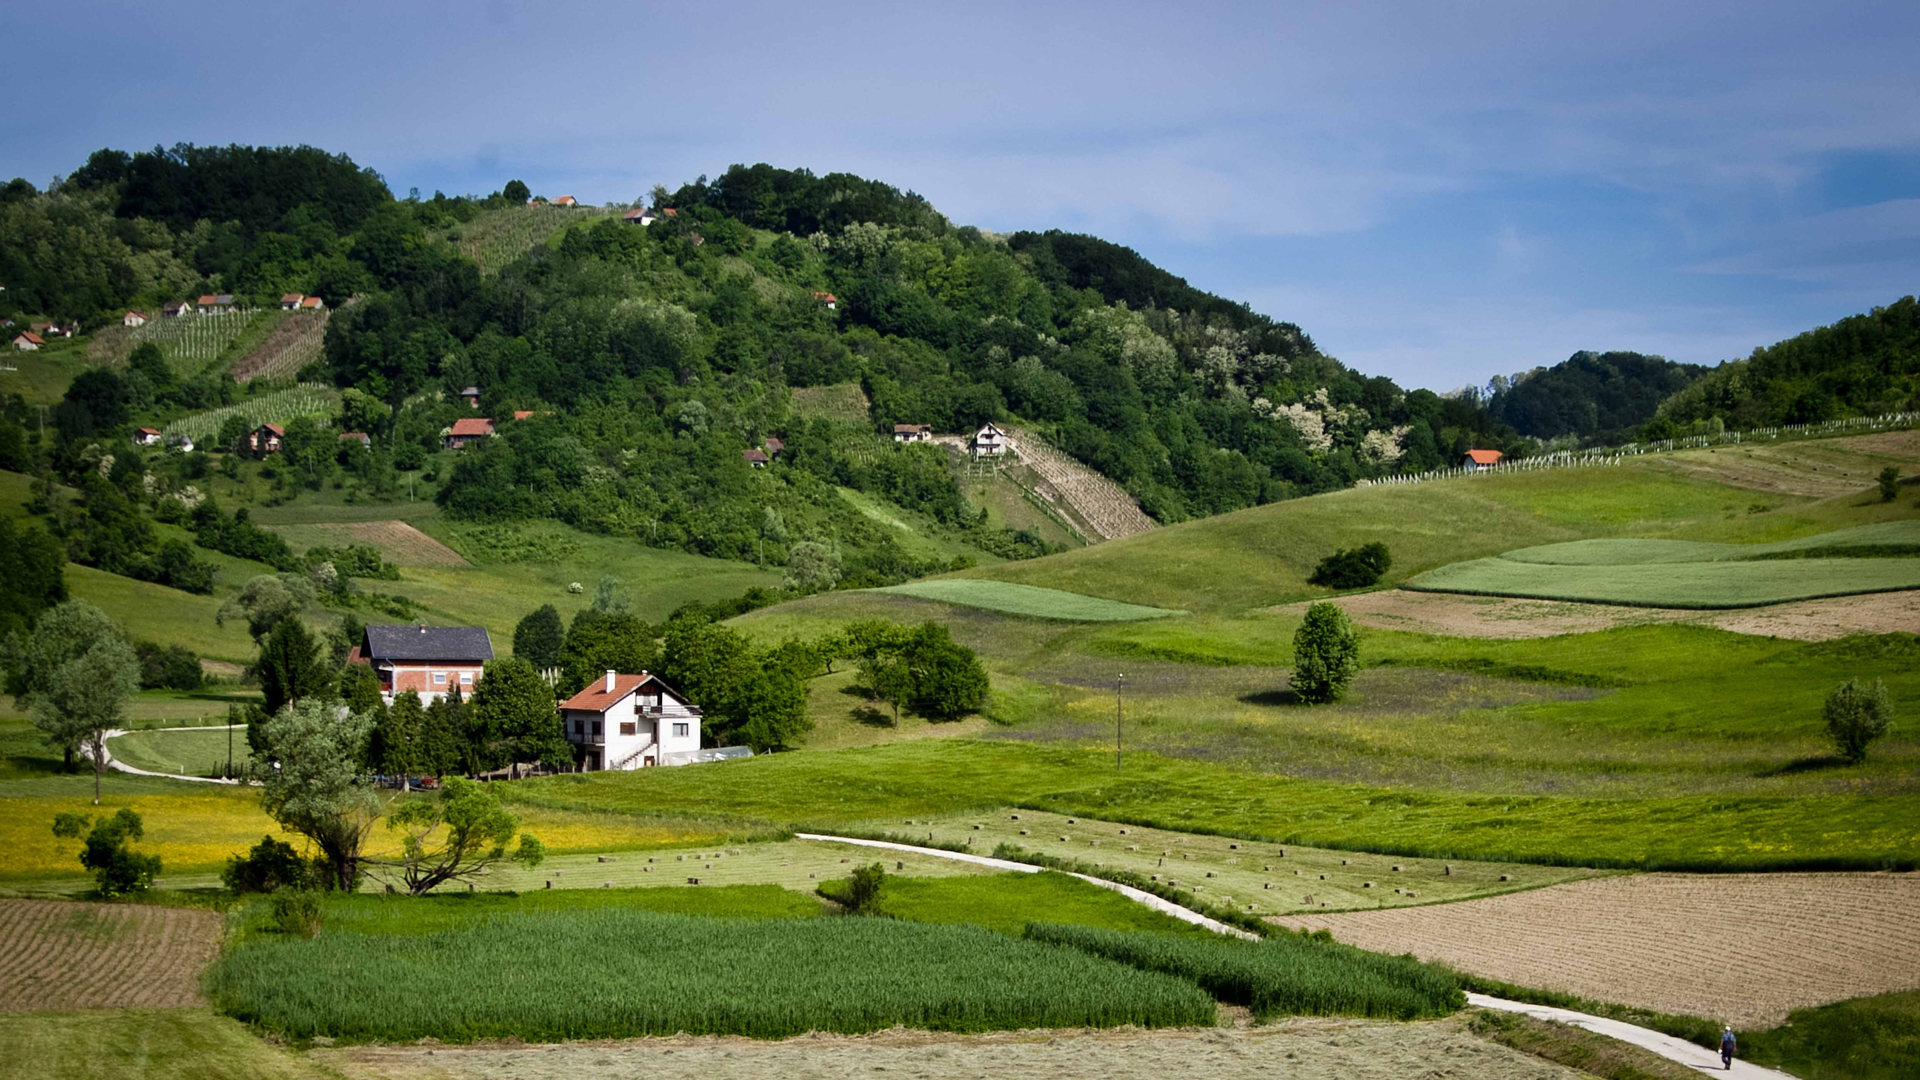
1746	948
401	543
1460	615
57	955
1303	1050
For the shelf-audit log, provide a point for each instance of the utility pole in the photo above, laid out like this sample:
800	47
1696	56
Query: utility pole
1118	683
229	747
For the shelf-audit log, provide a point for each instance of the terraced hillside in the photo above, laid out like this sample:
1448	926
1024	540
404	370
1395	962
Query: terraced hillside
1095	500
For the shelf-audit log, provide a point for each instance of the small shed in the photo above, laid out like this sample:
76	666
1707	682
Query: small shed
913	433
146	436
291	301
466	430
134	318
756	458
1482	459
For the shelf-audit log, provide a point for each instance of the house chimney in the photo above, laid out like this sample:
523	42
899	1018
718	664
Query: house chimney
609	682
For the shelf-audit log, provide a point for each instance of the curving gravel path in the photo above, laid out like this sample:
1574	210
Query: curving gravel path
115	763
1666	1046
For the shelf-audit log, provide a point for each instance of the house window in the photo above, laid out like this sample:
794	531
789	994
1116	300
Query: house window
439	678
679	731
598	727
579	726
627	727
466	678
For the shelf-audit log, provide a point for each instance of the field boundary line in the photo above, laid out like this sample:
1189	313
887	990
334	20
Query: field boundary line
1160	904
116	763
1667	1046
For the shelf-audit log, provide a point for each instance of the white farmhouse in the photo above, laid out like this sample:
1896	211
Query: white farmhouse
989	441
631	722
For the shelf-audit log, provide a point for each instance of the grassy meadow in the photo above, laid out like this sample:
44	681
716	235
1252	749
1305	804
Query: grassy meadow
1670	584
1006	903
1026	600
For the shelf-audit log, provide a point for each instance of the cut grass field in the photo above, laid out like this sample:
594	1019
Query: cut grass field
936	778
1027	600
765	978
144	1044
201	752
1006	903
1866	540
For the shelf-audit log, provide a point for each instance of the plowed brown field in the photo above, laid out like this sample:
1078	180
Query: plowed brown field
401	543
57	955
1745	948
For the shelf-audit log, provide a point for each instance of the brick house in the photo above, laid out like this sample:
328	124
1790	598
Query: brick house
432	661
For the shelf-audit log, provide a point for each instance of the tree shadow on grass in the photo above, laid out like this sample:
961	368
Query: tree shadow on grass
1806	765
872	717
1272	698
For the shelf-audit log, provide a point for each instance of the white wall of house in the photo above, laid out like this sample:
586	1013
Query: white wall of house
635	732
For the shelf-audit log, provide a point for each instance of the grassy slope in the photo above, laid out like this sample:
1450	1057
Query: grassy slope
1008	902
152	1044
1264	555
1028	600
157	613
1873	1038
1703	585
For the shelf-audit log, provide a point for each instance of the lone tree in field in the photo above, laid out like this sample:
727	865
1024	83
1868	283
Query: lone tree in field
80	673
1326	654
313	783
116	870
1857	714
1889	483
456	837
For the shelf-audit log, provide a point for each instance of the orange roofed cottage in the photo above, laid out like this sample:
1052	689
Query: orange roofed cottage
1482	459
631	722
429	660
466	430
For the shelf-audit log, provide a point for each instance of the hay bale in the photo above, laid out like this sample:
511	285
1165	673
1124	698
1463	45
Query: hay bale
606	858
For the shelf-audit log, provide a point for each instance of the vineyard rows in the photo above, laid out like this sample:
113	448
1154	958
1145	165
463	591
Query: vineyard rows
191	342
307	399
1099	501
498	237
293	345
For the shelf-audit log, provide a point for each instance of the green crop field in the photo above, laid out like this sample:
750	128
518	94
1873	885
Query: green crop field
845	403
766	978
1286	975
1026	600
1861	540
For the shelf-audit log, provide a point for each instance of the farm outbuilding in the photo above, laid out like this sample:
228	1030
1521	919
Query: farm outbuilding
466	430
1482	459
912	433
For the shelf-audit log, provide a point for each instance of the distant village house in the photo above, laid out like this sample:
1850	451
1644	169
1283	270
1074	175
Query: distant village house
313	303
989	441
1482	459
774	446
466	430
640	215
361	437
215	303
431	661
912	433
173	309
756	458
828	299
566	200
27	341
626	722
134	318
265	440
146	436
292	301
472	394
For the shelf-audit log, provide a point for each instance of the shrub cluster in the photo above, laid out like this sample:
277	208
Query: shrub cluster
1288	975
1352	568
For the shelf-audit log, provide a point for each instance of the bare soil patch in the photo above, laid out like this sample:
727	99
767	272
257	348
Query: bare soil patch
1302	1050
1745	948
401	543
57	955
1821	468
1460	615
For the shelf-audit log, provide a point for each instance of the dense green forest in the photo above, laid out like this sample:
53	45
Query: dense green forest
1862	365
1594	397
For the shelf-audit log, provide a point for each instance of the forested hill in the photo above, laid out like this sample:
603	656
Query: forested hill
1862	365
1595	397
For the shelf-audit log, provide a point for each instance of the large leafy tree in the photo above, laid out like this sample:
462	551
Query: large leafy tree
117	871
602	641
87	697
540	637
515	718
313	784
31	578
63	634
1326	654
265	600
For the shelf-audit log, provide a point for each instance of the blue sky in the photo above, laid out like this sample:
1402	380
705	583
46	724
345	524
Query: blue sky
1435	192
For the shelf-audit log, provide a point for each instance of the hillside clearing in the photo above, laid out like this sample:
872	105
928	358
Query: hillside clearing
399	542
1027	600
59	955
1747	949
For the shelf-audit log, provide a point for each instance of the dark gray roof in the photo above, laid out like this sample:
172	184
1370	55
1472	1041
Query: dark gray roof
415	642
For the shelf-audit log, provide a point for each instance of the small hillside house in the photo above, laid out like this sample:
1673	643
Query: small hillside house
631	722
215	303
913	433
431	661
522	414
146	436
313	303
292	301
265	440
566	200
466	430
774	446
756	458
134	318
180	442
361	437
827	298
989	441
472	395
27	341
1482	459
173	309
640	215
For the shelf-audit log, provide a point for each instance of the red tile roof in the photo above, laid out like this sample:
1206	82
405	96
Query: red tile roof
522	414
311	301
595	697
208	300
905	429
755	455
275	428
826	298
1485	457
32	338
472	425
774	445
292	297
149	431
636	212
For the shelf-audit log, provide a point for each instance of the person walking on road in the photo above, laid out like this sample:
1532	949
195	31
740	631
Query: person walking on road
1727	1047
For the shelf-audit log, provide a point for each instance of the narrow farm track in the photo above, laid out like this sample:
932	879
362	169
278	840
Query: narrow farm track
60	955
115	763
1746	949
